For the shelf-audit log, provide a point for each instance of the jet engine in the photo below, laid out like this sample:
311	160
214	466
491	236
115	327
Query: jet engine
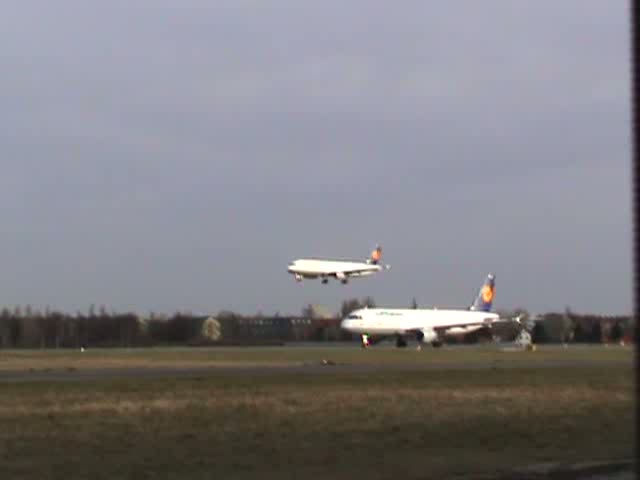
427	336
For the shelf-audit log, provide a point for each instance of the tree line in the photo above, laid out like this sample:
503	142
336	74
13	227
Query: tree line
585	328
29	328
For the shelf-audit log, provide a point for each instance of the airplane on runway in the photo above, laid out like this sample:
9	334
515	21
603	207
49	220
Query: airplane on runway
425	325
339	269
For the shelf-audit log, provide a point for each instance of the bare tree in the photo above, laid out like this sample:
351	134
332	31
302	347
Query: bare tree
596	332
368	302
349	306
617	332
5	328
307	312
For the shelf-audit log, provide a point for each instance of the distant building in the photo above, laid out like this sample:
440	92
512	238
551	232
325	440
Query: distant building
301	329
321	312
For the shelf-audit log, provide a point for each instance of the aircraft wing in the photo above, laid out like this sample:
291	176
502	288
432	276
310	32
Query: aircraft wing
340	275
509	320
466	328
348	272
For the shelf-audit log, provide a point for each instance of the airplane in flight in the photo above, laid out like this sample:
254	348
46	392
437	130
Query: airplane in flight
425	325
340	269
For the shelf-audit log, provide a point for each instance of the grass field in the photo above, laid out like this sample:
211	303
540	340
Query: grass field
415	423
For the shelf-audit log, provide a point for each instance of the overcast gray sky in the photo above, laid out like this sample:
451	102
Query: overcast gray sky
163	155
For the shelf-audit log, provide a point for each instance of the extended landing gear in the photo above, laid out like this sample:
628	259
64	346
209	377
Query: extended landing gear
298	277
435	344
365	340
344	281
400	342
325	281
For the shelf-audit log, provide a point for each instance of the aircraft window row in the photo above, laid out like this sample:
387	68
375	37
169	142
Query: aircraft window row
354	317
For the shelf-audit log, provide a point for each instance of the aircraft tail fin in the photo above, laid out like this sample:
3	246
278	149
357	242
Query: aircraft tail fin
484	299
375	256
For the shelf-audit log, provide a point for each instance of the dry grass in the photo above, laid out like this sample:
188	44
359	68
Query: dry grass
439	402
418	425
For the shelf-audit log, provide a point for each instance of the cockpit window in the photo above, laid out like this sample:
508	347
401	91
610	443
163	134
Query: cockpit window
354	317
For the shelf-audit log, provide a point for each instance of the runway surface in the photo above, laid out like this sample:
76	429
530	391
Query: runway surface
311	368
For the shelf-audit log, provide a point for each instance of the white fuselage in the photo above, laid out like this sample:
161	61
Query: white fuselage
313	268
398	321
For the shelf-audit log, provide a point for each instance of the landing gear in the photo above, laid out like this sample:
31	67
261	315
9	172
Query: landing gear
400	342
436	344
298	277
325	281
344	281
365	340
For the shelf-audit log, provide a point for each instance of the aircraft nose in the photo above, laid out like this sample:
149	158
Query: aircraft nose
346	324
